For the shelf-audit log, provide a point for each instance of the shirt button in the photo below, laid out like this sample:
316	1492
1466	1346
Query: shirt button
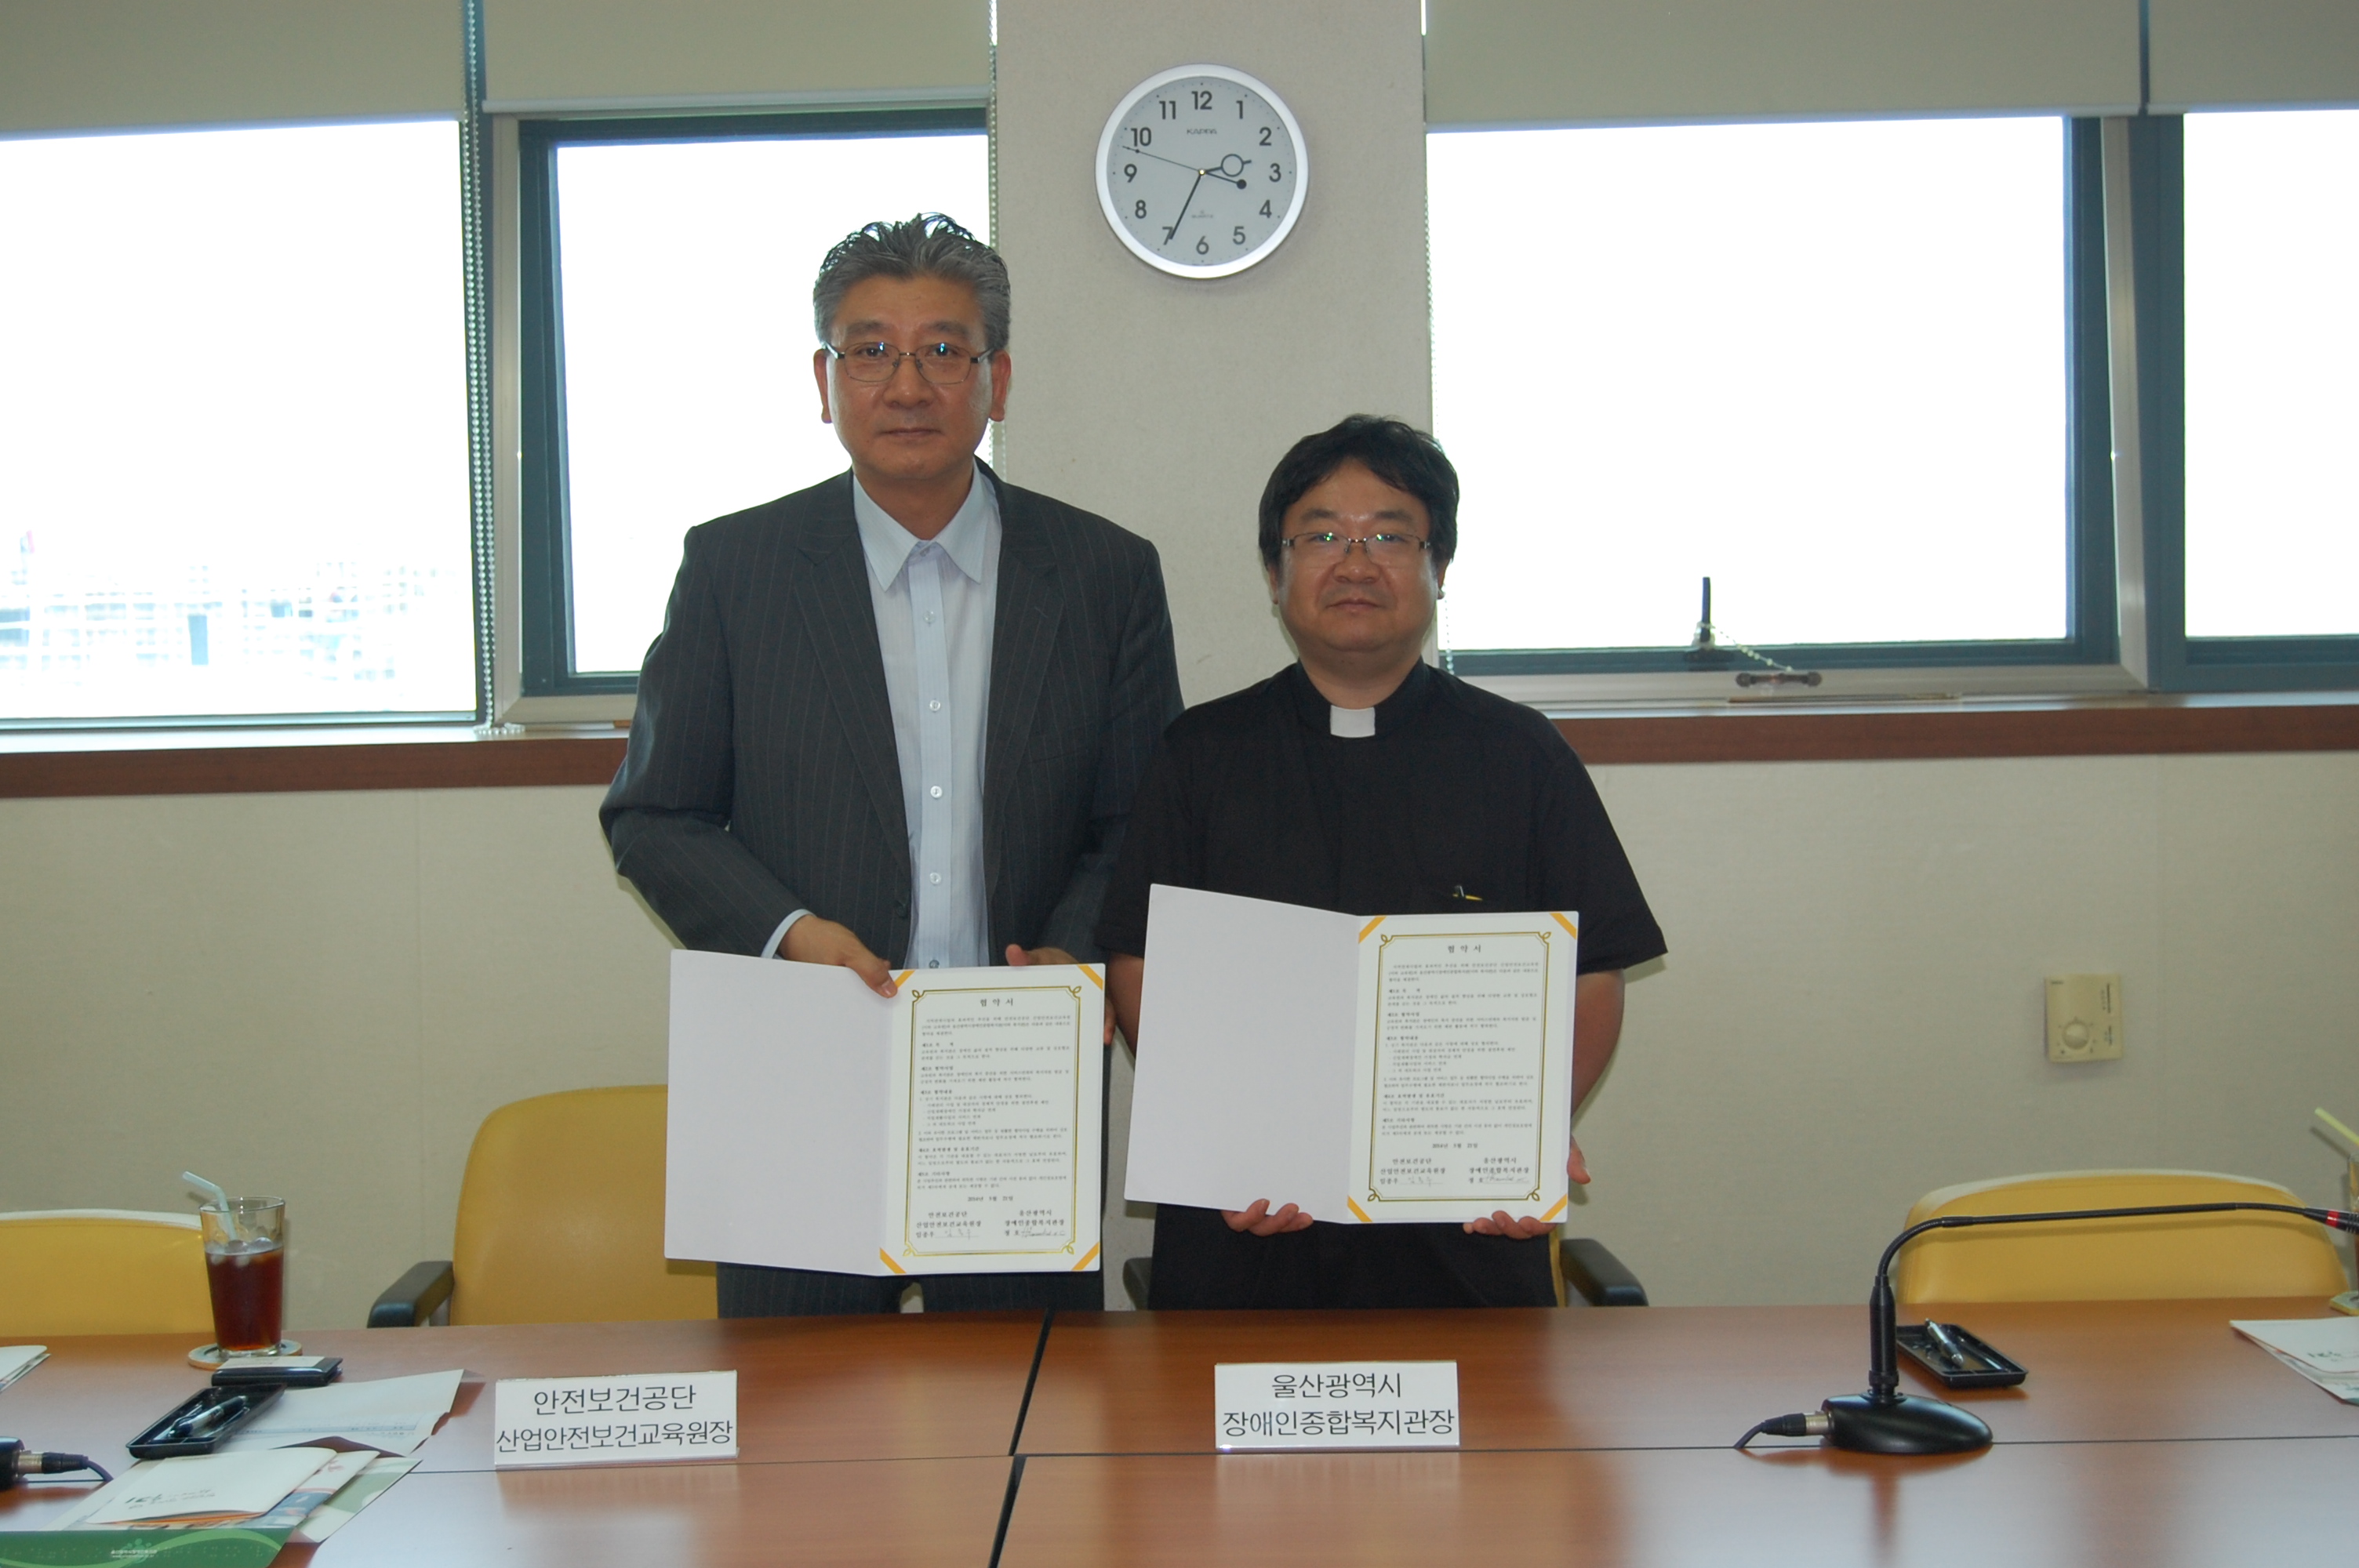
936	792
933	876
935	706
933	963
930	618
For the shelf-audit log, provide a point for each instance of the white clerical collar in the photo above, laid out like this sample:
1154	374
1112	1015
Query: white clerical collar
1351	723
964	539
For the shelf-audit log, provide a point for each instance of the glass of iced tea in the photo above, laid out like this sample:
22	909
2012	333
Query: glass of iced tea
245	1256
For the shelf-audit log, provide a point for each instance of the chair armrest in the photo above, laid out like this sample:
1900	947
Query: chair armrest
1138	1273
1599	1275
413	1298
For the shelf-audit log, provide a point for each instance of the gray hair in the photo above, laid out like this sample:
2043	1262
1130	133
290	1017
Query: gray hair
927	246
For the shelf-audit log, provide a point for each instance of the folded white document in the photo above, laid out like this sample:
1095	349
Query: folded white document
393	1415
2323	1349
198	1488
953	1130
15	1360
1365	1068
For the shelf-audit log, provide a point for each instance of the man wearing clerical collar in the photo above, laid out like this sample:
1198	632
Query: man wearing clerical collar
1362	780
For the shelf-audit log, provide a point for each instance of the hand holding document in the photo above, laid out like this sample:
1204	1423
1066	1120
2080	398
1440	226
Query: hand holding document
1401	1067
953	1129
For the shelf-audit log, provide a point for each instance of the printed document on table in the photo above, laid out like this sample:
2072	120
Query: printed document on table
393	1415
955	1129
1365	1068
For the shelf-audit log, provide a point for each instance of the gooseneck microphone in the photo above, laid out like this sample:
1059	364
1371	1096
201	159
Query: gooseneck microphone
1885	1420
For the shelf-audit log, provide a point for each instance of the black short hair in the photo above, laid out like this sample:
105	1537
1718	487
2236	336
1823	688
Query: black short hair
927	246
1399	454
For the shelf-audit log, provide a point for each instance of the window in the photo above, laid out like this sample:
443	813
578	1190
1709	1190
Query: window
1853	371
2272	237
232	426
668	267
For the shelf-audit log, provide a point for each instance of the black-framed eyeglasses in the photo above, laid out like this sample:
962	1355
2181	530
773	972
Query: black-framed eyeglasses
945	365
1385	549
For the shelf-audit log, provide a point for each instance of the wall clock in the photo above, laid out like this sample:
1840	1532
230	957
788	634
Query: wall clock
1200	170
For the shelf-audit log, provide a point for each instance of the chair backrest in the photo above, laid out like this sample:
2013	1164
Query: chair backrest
102	1271
562	1216
2192	1255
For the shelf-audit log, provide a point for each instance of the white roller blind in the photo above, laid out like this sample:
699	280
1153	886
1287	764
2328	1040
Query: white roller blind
2228	53
585	53
111	64
1498	62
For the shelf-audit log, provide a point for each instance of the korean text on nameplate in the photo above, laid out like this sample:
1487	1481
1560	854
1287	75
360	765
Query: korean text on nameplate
626	1419
1335	1404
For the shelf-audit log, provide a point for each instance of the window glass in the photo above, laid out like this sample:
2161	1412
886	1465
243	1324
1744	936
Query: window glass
233	425
2272	402
1824	364
687	269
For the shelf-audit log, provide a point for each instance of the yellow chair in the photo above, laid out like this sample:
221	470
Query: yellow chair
2187	1255
102	1271
561	1220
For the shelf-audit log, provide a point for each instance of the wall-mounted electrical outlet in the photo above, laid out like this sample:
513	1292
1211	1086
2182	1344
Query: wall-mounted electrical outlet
2084	1018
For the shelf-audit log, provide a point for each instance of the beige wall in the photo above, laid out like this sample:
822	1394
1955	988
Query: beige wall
323	994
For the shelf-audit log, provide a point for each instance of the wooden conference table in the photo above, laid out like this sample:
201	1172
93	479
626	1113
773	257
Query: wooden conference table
2148	1432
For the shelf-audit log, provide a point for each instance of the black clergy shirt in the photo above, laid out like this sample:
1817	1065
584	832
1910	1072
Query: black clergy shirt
1460	801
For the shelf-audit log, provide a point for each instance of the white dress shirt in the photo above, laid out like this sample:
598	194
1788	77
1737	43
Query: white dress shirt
934	601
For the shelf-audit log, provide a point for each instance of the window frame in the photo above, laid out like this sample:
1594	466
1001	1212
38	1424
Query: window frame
535	678
2089	657
2177	662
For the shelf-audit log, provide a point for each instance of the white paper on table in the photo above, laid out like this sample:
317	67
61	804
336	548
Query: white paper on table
2328	1345
1256	1076
794	1137
15	1360
393	1415
199	1484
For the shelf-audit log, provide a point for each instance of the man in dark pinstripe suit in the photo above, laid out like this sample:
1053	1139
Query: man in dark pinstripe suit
896	720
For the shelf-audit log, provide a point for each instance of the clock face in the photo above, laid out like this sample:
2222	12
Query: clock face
1200	171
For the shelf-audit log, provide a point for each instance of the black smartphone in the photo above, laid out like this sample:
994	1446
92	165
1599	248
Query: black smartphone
280	1371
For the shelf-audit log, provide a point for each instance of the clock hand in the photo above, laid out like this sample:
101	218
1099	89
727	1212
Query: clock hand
1159	158
1173	232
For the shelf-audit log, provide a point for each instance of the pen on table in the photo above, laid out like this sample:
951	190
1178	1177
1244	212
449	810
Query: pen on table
206	1422
1952	1351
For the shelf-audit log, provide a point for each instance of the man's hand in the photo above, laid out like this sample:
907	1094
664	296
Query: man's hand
1502	1223
811	940
1018	957
1259	1221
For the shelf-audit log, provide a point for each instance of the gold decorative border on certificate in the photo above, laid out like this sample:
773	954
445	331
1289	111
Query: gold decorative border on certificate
1377	1048
910	1247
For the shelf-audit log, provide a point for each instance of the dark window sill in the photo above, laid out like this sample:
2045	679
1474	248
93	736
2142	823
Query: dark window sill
255	762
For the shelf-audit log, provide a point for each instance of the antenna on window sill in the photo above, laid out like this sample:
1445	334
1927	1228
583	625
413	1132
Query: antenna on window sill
1708	652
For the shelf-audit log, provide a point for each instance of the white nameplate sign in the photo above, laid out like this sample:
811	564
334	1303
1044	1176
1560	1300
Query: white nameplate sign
627	1419
1335	1404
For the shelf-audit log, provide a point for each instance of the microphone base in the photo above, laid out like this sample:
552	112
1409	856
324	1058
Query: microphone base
1904	1424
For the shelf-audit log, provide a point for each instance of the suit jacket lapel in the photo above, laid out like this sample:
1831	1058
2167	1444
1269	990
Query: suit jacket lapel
1024	630
832	596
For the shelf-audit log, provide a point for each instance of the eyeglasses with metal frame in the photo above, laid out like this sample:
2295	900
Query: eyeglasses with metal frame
1385	549
943	364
